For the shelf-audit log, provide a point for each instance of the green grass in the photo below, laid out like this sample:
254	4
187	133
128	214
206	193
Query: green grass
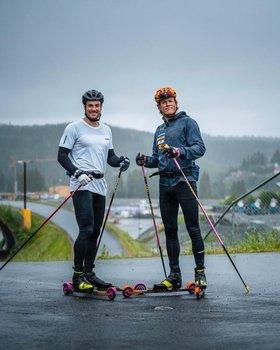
131	247
252	243
51	243
261	242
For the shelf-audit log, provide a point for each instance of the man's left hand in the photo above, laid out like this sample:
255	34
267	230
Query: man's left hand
124	163
172	152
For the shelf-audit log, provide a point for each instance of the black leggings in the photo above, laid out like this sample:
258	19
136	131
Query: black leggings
170	198
89	210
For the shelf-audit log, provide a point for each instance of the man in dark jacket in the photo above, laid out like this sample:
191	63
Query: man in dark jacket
182	134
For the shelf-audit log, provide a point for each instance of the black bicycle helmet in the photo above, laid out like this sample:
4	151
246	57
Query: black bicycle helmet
92	95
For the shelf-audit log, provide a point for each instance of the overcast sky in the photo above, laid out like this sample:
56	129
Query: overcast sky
223	58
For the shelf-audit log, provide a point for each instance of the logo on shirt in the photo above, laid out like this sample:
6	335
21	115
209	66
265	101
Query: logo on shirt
160	139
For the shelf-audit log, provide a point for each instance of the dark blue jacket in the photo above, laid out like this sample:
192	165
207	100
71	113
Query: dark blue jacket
183	132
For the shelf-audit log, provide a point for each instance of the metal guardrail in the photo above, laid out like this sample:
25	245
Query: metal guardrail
265	210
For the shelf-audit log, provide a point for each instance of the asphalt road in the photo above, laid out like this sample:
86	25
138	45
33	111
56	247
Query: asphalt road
36	315
66	220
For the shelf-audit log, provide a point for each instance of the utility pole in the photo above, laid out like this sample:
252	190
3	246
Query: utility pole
14	164
24	184
26	213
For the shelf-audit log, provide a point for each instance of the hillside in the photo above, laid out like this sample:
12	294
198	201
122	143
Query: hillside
41	142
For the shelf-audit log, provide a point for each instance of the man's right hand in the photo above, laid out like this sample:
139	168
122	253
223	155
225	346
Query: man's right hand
141	159
83	177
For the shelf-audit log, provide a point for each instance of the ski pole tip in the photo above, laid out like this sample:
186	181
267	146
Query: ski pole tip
248	289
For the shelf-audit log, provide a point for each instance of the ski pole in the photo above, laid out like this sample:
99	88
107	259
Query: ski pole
108	211
211	225
247	288
153	216
39	228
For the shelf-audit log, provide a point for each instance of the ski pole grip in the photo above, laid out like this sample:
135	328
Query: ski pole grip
163	146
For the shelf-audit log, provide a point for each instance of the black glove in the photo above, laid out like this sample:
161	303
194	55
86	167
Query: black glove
124	163
140	159
172	152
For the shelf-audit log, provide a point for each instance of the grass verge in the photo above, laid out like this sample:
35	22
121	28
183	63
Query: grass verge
131	247
51	243
252	243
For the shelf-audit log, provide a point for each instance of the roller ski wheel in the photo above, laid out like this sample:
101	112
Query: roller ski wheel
199	292
140	286
138	289
111	293
193	288
127	291
68	288
190	287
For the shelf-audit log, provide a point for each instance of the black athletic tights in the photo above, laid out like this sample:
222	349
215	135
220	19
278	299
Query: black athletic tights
89	210
170	198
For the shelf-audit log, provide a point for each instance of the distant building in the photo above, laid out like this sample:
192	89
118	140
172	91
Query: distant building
62	191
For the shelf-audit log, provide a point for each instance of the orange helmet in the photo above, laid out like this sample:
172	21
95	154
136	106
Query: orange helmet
164	92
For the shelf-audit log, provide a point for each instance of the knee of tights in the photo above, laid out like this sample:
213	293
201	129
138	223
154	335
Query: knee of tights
85	234
96	232
171	231
194	230
93	238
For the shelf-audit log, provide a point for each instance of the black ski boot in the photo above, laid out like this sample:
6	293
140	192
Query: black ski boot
96	281
200	278
173	282
80	283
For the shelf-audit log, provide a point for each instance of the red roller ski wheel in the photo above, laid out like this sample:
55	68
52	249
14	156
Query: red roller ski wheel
199	293
190	286
127	291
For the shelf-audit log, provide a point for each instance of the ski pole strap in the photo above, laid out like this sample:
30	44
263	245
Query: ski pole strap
170	174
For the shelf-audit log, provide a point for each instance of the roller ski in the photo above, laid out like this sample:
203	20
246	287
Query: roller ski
141	289
89	283
173	283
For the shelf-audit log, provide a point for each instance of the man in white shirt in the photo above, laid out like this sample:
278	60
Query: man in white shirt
85	149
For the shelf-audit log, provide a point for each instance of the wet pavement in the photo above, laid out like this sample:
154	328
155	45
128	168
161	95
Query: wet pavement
36	315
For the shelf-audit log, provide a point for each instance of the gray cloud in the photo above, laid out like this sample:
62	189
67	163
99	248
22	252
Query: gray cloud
222	57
